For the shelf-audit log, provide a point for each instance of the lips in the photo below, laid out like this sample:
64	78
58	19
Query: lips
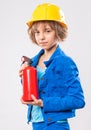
43	43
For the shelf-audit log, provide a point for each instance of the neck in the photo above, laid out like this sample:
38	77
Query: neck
47	53
50	51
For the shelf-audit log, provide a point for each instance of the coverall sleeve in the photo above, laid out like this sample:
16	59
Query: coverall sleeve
74	97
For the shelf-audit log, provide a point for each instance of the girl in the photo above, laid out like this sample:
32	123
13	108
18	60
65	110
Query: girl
60	91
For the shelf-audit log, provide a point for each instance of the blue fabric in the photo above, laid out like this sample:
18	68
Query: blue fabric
36	114
59	88
52	126
40	72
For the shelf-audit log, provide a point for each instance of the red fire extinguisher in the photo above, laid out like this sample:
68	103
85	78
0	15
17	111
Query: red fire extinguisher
29	80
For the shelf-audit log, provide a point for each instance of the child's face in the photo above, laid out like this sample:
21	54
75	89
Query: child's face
45	36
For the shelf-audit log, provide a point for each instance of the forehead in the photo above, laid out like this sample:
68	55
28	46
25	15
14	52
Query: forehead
43	24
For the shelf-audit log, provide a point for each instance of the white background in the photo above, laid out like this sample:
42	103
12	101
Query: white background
14	42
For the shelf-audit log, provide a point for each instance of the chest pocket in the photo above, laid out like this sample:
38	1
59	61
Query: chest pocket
56	83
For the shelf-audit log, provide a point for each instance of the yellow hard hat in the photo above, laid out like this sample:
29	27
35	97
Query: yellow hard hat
47	11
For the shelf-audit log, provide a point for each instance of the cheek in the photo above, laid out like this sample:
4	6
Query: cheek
53	37
36	38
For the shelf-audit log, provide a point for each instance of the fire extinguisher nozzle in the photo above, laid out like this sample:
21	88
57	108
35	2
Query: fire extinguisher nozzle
26	59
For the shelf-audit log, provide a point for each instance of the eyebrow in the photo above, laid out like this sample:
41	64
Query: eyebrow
45	28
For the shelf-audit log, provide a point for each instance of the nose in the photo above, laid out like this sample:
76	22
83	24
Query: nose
42	36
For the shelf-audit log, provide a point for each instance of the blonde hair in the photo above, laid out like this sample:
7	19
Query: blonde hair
60	31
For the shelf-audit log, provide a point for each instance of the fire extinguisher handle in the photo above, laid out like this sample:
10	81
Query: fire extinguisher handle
26	59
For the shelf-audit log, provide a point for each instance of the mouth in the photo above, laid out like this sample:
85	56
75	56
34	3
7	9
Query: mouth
43	43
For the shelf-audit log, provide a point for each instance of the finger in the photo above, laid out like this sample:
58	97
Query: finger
25	102
34	98
20	73
24	65
22	101
22	68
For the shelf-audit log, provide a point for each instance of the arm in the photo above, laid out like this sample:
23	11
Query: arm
74	98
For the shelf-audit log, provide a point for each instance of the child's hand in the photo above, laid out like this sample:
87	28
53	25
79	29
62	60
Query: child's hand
37	102
23	66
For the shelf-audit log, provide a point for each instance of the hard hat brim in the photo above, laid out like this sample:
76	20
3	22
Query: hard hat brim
30	23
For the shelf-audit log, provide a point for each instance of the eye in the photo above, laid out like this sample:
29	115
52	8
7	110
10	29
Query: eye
48	30
36	32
